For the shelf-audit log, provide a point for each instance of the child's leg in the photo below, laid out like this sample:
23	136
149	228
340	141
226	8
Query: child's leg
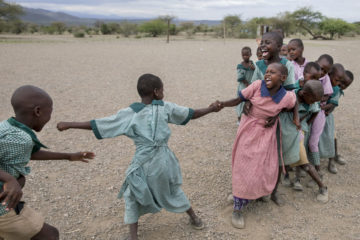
331	166
323	193
274	195
133	231
47	232
316	130
237	219
338	157
195	220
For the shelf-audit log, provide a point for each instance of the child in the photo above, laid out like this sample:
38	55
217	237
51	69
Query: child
271	43
255	152
325	61
326	142
284	51
19	144
296	49
245	71
290	135
308	98
153	180
259	54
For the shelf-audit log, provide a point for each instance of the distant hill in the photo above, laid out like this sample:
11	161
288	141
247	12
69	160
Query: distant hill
46	17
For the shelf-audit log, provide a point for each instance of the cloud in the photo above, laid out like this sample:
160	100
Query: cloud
196	9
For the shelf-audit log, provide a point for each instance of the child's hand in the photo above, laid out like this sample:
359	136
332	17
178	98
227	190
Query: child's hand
12	194
252	66
81	156
271	121
247	108
61	126
216	106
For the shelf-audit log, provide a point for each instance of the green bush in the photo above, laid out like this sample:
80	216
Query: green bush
79	34
154	27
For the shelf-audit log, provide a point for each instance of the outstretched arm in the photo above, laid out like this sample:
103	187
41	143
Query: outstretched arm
232	102
61	126
214	107
46	155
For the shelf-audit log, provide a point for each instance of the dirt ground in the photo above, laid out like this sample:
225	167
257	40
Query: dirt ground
94	77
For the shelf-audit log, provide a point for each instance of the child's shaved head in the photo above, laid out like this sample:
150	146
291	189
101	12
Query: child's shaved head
281	67
147	83
315	89
25	98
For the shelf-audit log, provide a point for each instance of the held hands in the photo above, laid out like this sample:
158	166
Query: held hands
11	194
81	156
270	121
216	106
62	126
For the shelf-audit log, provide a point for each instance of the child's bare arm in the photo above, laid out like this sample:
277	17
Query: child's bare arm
232	102
312	118
214	107
12	193
46	155
296	119
61	126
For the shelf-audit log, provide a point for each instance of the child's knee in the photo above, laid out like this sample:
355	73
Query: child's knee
48	232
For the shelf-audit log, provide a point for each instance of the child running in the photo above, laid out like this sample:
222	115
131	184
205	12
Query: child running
255	152
245	71
19	144
153	179
326	62
296	49
326	142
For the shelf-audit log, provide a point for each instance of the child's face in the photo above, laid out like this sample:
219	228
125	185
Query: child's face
309	98
284	50
294	50
313	74
269	47
273	77
43	116
246	54
345	82
325	66
337	78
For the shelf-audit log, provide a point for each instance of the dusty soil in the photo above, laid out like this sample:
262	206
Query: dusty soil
94	77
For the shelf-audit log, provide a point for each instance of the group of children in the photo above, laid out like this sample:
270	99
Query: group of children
303	134
282	100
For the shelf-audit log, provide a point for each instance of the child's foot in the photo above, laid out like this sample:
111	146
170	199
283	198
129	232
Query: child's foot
286	182
275	197
311	184
340	160
332	167
237	220
302	173
230	198
297	186
323	196
196	223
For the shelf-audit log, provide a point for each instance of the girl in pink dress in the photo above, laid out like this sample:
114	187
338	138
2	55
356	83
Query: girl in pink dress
255	153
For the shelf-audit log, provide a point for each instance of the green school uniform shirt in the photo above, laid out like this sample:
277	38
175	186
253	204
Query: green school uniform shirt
243	73
153	178
17	143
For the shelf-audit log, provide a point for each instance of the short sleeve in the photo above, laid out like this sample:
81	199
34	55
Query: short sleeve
328	90
290	100
177	114
112	126
241	74
250	91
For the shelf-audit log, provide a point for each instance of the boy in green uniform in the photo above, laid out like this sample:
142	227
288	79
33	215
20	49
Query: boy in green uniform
19	144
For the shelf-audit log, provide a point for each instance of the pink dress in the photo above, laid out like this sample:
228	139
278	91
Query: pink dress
255	154
299	69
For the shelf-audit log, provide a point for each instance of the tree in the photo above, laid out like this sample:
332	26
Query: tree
308	20
232	24
167	19
104	29
154	27
188	27
9	12
333	26
127	28
58	27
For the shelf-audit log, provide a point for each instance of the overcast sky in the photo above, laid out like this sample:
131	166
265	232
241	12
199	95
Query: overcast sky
195	9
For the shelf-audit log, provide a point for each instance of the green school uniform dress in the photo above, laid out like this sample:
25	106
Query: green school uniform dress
17	143
153	179
326	143
289	150
243	74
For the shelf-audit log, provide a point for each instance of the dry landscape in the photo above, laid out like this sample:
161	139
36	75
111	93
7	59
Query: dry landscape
94	77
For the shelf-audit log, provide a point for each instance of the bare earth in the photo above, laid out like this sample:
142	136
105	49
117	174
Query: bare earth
94	77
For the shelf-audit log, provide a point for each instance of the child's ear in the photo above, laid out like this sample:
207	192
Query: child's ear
283	77
37	111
